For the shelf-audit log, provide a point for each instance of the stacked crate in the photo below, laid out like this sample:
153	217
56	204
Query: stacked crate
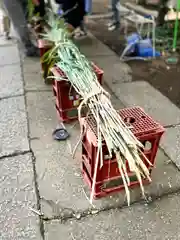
44	46
66	98
108	178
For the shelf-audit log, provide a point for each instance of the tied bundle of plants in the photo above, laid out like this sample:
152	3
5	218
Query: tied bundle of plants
110	127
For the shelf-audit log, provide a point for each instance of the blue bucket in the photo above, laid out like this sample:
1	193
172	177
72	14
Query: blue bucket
145	43
132	40
144	49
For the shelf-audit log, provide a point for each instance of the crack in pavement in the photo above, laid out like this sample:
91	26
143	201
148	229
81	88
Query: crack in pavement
8	44
41	224
15	153
170	160
11	96
37	90
9	64
36	186
77	215
172	125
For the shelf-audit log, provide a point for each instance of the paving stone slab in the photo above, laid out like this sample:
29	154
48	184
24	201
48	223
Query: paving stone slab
11	80
61	182
4	42
13	126
33	75
42	116
115	71
92	47
9	54
150	99
17	194
59	175
159	220
171	144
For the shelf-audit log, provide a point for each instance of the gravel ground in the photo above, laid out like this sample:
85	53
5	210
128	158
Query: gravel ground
160	75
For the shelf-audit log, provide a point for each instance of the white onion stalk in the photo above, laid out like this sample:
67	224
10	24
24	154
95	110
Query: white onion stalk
117	136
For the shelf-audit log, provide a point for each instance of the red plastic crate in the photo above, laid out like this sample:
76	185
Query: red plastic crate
99	73
44	46
67	115
107	187
70	114
143	127
67	99
65	95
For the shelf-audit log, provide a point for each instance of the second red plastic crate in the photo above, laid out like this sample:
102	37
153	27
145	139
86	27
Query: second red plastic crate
147	131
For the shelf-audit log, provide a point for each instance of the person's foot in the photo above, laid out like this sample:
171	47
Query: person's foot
113	26
32	51
7	37
80	34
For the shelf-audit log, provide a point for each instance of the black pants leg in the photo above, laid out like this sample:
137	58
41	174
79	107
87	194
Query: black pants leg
16	13
41	8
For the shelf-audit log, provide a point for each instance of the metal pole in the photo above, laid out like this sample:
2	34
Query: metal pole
154	37
176	26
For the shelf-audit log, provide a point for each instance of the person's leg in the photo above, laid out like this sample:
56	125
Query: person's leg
163	10
75	15
115	18
40	8
80	32
88	6
6	23
84	9
115	11
24	4
6	26
16	14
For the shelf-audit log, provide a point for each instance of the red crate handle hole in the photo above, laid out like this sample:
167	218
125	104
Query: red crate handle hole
129	120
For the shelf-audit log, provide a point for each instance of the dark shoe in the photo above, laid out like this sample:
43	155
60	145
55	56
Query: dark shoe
32	52
7	37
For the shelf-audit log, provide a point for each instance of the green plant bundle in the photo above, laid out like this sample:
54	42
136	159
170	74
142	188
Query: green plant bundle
110	127
31	10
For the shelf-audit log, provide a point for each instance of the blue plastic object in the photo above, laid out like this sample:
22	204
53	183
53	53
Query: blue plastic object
148	52
145	43
144	49
148	16
88	6
60	134
132	40
60	12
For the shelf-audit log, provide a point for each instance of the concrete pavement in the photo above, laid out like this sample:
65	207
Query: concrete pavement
156	221
17	182
38	172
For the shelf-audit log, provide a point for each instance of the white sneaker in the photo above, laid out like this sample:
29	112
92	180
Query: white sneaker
110	24
113	27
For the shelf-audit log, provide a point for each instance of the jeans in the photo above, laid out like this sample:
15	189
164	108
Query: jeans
116	18
88	6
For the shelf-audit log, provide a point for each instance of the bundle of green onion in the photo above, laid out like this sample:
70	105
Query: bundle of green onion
110	127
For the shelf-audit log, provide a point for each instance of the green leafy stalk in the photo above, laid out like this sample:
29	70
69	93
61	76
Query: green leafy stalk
119	139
